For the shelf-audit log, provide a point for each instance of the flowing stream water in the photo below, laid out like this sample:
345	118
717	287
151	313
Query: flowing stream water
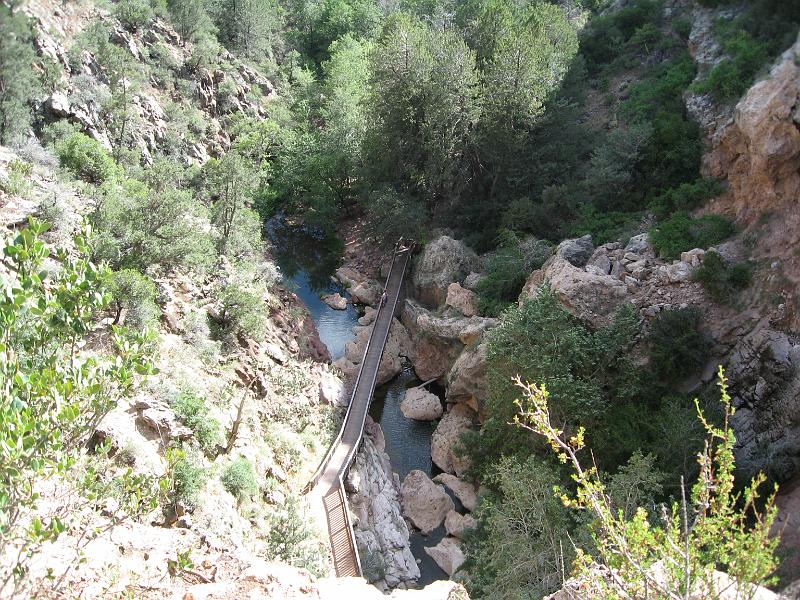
308	260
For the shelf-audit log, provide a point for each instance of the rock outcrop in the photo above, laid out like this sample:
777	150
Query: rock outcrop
438	340
463	300
764	369
590	295
446	437
443	261
421	405
381	532
457	524
447	554
424	502
335	301
758	153
466	381
577	251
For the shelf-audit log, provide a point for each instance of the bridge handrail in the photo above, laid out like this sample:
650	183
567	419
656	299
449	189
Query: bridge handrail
354	448
350	533
324	464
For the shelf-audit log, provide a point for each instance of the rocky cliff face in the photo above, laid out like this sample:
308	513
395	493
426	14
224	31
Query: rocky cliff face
381	532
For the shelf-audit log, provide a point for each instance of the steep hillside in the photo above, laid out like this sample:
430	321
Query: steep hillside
592	383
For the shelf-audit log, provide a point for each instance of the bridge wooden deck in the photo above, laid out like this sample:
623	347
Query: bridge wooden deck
327	483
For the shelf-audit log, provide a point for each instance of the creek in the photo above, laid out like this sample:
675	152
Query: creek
308	260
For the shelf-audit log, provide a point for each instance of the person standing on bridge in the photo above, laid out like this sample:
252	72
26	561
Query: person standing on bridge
383	298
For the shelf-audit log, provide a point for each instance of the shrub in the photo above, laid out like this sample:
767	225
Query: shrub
195	414
135	293
187	477
730	530
507	269
138	226
134	14
681	232
242	309
239	478
32	151
677	347
17	183
720	280
686	196
729	79
52	397
86	158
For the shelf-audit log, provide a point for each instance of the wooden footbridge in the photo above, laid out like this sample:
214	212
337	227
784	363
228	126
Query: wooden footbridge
326	486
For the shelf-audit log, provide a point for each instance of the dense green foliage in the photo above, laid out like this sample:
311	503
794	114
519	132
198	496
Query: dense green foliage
134	294
720	279
589	373
51	399
762	30
678	348
86	158
681	233
239	478
666	558
18	82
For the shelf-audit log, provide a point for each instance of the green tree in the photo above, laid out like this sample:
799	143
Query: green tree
134	294
51	396
249	27
229	183
18	83
422	106
522	545
138	226
529	52
674	554
191	18
588	372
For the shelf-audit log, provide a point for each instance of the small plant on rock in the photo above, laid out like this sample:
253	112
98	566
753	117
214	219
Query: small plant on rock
194	412
720	280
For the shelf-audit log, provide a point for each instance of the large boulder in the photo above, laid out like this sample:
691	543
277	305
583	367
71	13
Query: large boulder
447	554
590	296
463	300
367	292
335	301
464	491
419	404
446	436
439	339
332	389
577	252
443	261
457	524
424	502
467	378
638	243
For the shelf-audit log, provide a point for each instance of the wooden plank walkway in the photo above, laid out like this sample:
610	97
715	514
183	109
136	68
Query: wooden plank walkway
327	483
